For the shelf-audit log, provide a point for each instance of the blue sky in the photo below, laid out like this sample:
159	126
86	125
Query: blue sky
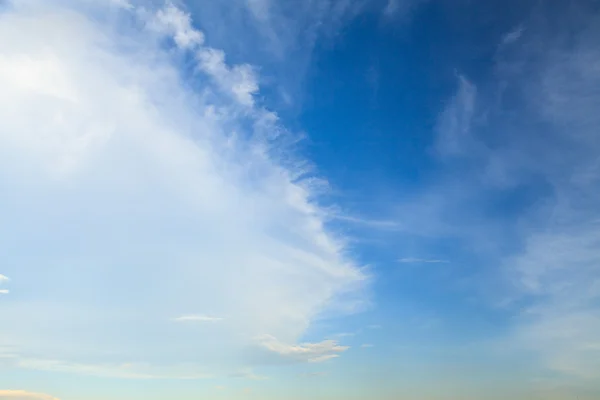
325	199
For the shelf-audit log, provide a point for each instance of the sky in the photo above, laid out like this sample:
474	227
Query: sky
293	200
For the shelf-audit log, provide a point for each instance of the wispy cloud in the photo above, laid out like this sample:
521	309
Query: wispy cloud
534	128
197	318
24	395
344	334
513	35
454	125
248	374
370	223
313	374
413	260
400	8
119	371
305	352
260	9
366	346
4	279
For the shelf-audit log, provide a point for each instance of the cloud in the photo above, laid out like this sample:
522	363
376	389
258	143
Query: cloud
521	180
174	22
370	223
239	81
391	7
259	8
119	371
147	192
306	352
344	334
412	260
23	395
400	8
278	36
455	122
374	327
4	279
122	4
513	35
557	269
313	374
248	374
197	318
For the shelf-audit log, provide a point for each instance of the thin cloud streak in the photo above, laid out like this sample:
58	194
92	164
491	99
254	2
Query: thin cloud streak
197	318
414	260
305	352
24	395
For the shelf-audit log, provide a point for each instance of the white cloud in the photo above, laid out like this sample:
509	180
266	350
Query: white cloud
24	395
305	352
197	318
4	279
173	21
239	81
144	198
